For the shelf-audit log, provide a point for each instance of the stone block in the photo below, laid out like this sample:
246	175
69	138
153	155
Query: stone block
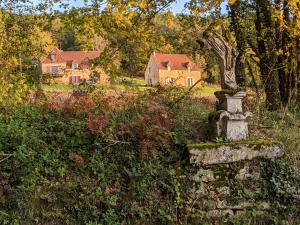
242	205
248	173
232	152
207	204
218	213
236	130
231	126
252	192
204	176
201	191
233	103
223	191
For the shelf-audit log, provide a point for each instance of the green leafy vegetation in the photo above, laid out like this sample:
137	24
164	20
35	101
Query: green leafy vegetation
282	126
117	154
79	168
93	165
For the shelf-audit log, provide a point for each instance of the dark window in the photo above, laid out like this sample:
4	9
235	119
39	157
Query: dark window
170	81
54	70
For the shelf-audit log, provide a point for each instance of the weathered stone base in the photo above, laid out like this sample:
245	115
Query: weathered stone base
226	179
210	154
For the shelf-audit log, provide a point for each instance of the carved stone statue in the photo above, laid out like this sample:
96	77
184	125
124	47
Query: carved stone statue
229	122
227	56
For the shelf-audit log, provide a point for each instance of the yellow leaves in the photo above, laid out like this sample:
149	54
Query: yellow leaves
286	26
278	16
216	24
249	53
166	48
143	4
279	52
41	42
232	2
14	88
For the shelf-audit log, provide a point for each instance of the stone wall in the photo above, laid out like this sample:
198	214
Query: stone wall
227	179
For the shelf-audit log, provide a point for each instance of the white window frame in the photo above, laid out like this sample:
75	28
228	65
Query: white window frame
75	66
75	79
190	82
53	57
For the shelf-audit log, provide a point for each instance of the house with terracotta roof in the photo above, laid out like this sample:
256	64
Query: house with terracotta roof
172	69
71	67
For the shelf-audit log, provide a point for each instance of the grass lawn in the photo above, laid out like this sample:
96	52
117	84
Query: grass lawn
57	87
131	81
127	83
208	90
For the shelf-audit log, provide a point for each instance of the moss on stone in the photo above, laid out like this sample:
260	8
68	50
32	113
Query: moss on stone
211	145
228	92
215	115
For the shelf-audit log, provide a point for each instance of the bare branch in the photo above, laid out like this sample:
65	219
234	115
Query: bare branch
6	158
187	93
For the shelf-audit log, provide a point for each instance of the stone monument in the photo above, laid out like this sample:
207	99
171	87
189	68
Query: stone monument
221	171
229	122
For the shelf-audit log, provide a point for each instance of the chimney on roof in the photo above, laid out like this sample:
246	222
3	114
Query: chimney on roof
169	65
154	53
53	56
189	66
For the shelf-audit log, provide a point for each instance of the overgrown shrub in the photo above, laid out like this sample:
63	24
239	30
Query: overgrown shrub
281	125
101	159
104	159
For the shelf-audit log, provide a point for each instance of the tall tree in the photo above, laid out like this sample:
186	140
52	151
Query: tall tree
237	23
277	32
266	46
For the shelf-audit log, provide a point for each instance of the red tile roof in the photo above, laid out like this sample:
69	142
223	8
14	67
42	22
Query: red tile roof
78	57
176	61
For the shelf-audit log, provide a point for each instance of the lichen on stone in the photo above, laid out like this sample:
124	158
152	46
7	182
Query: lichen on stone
212	145
229	92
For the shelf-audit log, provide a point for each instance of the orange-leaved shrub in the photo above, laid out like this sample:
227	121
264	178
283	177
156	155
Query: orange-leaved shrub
140	122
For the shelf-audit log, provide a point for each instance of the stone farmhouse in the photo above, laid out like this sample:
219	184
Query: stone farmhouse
70	67
172	69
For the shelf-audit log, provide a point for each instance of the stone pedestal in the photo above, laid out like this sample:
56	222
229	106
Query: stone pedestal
231	103
230	122
227	179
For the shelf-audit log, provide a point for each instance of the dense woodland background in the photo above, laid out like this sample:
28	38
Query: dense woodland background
118	157
266	34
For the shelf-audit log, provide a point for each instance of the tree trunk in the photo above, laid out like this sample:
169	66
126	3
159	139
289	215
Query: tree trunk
236	24
286	66
267	52
298	73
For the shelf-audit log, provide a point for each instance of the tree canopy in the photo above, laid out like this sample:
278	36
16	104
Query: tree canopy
265	33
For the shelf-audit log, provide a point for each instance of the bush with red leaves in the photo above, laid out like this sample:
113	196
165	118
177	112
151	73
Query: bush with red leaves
97	123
